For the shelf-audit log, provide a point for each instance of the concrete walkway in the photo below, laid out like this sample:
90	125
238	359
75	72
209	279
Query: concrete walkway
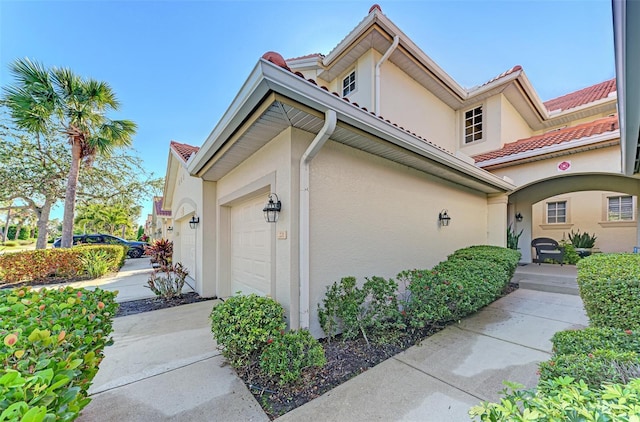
164	366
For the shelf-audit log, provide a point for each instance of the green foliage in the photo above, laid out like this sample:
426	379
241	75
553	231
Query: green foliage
512	238
456	287
594	338
595	369
43	264
507	258
11	233
582	240
242	326
160	251
610	287
371	311
52	344
168	281
570	254
96	263
288	354
563	399
140	232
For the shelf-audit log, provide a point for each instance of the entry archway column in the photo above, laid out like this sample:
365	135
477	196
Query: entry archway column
497	220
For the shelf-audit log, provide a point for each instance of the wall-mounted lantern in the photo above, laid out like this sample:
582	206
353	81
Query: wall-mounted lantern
444	218
518	217
193	223
170	228
272	209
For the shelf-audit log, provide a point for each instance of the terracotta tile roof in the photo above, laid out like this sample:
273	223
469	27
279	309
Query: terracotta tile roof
277	59
184	151
157	203
308	56
583	96
596	127
503	74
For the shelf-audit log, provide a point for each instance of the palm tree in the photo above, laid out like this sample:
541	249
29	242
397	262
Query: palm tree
76	107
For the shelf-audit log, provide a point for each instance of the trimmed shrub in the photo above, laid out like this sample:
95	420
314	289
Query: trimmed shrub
288	354
242	326
453	289
371	311
564	399
168	281
507	258
44	264
595	369
52	344
592	338
610	286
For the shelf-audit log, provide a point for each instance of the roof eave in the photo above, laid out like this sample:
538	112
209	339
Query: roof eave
577	143
269	77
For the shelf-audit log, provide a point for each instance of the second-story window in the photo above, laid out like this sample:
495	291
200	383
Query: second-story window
349	84
473	125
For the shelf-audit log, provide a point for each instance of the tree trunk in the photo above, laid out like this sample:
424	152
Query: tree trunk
6	224
43	220
70	196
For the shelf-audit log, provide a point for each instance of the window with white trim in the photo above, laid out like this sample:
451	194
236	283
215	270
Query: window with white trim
349	84
556	212
473	125
620	208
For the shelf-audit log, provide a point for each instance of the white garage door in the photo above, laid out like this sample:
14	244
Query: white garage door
250	248
188	247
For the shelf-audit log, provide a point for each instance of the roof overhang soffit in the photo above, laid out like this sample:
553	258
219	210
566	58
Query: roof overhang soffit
292	101
170	179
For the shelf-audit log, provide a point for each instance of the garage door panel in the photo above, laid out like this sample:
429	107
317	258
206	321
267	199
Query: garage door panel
250	248
187	239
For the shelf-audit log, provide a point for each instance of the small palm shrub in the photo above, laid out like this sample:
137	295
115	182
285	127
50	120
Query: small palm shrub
96	263
288	354
582	240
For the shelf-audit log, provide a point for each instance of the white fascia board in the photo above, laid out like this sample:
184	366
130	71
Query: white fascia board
251	93
578	143
170	178
346	41
298	89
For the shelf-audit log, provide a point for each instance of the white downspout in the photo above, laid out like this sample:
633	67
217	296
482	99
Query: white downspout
305	161
396	40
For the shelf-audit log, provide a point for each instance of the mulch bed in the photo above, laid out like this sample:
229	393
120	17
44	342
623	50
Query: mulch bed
133	307
345	360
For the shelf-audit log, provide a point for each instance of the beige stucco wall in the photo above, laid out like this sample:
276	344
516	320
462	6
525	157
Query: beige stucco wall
501	123
598	160
586	212
372	217
363	94
187	201
408	104
270	169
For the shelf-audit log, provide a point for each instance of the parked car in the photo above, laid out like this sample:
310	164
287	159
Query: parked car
136	249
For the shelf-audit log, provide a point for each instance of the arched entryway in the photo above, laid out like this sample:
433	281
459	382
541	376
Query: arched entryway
522	199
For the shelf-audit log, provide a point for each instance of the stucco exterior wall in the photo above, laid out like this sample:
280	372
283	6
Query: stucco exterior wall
187	201
598	160
586	212
363	94
408	104
269	169
372	217
513	126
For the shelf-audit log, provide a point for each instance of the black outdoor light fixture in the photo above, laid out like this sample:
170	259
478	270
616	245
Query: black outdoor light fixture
170	228
518	217
193	223
272	209
444	218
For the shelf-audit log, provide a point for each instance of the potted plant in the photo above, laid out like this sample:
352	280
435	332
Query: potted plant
582	242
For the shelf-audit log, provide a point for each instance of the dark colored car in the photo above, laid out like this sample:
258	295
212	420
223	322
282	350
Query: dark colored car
136	249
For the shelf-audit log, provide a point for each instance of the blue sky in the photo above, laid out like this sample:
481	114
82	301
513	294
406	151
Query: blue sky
177	65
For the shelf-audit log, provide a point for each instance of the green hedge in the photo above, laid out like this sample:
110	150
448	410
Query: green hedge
594	338
468	280
44	264
610	287
507	258
52	344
